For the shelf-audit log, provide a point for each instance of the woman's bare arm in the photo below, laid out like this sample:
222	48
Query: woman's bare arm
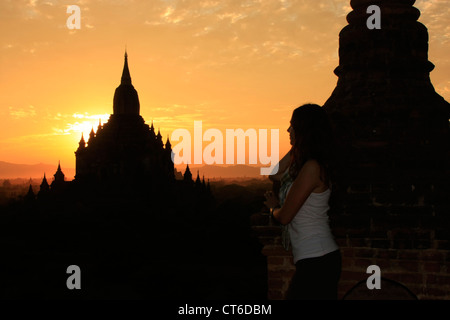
306	182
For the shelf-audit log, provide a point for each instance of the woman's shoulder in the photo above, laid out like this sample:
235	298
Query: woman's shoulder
312	166
313	169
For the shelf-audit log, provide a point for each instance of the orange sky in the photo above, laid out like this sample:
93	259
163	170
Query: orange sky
230	63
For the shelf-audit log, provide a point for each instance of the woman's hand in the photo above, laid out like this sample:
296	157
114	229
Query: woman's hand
271	200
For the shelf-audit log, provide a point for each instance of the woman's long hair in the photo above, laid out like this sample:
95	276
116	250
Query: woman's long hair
313	140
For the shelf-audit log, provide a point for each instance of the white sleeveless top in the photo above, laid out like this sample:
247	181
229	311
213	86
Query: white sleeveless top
309	231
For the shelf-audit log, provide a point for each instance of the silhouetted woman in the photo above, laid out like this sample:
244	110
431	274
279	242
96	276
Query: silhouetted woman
303	205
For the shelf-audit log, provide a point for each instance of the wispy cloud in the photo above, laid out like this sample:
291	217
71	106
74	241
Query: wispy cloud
21	113
435	15
63	124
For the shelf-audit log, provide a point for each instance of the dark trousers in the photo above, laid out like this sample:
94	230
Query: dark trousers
316	278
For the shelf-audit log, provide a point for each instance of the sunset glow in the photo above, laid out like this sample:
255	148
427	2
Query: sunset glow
230	64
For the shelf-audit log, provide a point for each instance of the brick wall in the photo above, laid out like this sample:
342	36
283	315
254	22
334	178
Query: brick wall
280	267
404	229
410	243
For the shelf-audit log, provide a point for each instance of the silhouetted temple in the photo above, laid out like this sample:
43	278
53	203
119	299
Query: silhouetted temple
125	149
386	113
390	204
124	154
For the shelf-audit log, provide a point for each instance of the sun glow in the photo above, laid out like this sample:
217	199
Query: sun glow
230	64
86	124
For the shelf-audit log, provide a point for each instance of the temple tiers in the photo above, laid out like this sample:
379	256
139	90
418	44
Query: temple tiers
392	131
384	108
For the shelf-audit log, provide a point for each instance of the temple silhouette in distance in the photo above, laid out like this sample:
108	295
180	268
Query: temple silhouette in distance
125	155
125	149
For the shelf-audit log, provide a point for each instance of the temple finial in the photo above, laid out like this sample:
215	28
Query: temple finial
126	78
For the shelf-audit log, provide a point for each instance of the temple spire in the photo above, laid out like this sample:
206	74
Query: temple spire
59	175
30	195
126	78
187	174
82	143
168	144
198	182
91	135
126	100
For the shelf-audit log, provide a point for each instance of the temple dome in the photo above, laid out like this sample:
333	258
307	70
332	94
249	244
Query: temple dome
126	100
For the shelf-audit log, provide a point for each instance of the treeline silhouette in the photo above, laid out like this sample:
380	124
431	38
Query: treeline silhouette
153	244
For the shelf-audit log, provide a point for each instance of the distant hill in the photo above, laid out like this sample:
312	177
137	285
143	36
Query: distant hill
12	170
236	171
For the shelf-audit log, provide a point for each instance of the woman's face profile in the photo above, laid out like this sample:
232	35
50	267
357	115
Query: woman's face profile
291	134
